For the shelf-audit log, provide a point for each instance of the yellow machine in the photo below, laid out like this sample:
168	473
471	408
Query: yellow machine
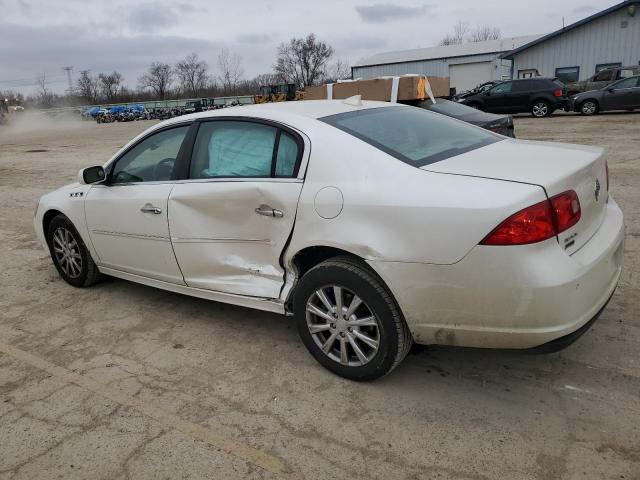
278	93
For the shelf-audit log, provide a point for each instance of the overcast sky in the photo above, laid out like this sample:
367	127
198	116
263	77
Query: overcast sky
39	36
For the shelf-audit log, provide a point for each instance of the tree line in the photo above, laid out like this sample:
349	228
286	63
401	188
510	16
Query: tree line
301	61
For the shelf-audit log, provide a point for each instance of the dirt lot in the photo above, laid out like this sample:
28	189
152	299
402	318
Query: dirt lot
124	381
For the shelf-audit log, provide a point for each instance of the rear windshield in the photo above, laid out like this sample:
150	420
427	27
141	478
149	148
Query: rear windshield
447	107
413	135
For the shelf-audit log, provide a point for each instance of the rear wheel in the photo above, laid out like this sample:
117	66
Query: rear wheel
348	320
540	109
589	107
70	255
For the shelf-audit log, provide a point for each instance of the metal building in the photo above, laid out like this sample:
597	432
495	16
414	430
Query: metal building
467	65
577	52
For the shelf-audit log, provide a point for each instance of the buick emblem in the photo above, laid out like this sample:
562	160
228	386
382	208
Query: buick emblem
597	189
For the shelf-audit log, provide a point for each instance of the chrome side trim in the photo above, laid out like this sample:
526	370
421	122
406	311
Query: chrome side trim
220	240
131	235
258	303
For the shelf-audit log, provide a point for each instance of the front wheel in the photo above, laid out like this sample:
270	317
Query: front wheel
348	320
70	255
589	107
541	109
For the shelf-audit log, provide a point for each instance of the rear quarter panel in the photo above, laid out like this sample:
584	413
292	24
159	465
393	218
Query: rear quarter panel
393	211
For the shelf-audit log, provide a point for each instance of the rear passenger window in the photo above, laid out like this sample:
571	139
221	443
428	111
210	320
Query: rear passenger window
242	149
524	86
287	157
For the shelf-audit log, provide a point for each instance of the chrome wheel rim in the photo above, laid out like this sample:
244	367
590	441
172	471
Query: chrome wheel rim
343	326
67	252
540	109
589	108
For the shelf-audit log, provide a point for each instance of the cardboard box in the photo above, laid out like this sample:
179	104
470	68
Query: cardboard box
409	88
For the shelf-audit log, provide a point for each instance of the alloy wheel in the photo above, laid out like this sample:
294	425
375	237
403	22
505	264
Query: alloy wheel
342	325
67	252
540	109
589	108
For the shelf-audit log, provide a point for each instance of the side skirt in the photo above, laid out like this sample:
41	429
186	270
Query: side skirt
266	304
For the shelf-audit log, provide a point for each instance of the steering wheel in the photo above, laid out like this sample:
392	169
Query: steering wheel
163	169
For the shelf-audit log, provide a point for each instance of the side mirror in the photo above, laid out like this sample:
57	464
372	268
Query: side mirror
90	175
487	93
611	90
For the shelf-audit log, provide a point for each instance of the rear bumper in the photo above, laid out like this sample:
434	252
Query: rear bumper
563	342
510	297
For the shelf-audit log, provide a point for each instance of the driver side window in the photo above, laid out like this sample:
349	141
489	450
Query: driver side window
627	83
151	160
502	88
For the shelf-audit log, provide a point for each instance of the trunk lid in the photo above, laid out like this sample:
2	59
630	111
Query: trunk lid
556	167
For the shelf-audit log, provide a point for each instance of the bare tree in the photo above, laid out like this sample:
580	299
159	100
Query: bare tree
87	86
458	36
158	78
192	73
339	70
484	32
231	71
44	94
303	61
110	84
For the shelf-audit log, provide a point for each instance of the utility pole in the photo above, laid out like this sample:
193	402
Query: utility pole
68	70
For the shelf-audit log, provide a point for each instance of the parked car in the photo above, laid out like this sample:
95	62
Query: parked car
540	96
602	79
622	95
375	224
502	124
478	89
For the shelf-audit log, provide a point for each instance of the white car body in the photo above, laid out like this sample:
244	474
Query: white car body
419	229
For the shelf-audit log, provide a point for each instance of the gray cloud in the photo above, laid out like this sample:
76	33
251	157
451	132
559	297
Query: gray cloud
72	45
151	16
255	38
388	12
582	9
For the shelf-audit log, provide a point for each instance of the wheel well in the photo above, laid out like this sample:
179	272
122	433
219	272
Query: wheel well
590	100
309	257
46	220
540	99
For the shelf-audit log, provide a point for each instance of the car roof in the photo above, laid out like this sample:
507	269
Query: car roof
313	109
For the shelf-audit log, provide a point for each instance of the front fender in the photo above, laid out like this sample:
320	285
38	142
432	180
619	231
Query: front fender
68	200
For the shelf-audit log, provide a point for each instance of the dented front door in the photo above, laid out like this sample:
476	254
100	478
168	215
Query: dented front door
228	235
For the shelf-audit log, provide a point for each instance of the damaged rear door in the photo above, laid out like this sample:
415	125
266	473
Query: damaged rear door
231	220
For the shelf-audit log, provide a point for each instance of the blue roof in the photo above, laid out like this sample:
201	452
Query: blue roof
568	28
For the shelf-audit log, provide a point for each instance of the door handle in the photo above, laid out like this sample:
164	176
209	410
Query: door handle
148	208
267	211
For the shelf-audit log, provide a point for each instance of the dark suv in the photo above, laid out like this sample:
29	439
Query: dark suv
540	96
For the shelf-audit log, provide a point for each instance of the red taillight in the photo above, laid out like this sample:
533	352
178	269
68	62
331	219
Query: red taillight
531	225
538	222
566	208
557	93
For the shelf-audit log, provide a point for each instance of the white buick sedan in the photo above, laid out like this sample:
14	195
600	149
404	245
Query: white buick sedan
376	224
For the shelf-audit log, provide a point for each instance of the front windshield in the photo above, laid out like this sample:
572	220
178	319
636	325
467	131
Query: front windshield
414	135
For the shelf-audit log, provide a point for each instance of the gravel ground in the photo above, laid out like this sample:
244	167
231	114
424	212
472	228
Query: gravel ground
125	381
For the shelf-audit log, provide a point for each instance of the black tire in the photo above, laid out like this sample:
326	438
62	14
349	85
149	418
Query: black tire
394	338
87	273
541	109
589	107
